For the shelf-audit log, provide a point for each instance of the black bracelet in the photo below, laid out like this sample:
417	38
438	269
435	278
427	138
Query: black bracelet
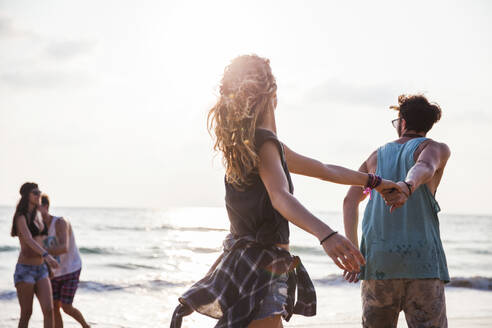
409	186
373	181
324	239
377	182
45	254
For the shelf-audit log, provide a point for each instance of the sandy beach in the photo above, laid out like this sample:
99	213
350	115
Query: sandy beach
338	307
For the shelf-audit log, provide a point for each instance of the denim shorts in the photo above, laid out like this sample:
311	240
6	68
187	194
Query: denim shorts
276	299
30	273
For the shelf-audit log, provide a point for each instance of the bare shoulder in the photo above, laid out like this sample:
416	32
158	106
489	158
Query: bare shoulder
20	217
446	151
269	149
441	147
432	149
61	222
20	223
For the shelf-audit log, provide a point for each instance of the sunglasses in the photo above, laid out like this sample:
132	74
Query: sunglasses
36	192
395	123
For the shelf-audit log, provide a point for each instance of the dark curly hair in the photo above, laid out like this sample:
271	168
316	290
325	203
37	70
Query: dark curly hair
418	112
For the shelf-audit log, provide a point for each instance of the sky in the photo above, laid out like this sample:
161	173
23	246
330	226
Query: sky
104	103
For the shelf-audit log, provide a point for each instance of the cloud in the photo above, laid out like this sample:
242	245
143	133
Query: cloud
477	116
44	79
8	29
63	50
340	92
40	65
56	49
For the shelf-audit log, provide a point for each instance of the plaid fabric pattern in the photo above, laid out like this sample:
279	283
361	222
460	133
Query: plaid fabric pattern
234	288
64	287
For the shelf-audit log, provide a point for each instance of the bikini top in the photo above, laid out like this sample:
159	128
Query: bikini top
34	229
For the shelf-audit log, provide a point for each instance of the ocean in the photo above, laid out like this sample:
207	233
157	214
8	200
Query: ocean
136	262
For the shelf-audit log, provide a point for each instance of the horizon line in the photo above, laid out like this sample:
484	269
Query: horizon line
213	206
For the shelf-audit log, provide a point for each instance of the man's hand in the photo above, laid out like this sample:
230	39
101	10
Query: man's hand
53	264
396	198
388	186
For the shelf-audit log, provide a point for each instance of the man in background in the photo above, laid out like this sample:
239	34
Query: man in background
65	280
405	262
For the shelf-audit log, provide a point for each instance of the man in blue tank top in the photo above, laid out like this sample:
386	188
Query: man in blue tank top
405	262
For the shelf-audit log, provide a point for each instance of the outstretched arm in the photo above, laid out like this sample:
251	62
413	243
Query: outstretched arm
341	251
303	165
432	159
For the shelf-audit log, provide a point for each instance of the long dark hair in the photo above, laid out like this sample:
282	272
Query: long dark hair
23	206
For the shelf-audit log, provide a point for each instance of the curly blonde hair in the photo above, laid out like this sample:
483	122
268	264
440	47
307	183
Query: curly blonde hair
247	90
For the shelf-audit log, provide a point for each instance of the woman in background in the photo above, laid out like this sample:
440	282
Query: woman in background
253	282
31	272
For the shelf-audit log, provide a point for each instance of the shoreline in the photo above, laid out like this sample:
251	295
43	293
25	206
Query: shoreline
338	306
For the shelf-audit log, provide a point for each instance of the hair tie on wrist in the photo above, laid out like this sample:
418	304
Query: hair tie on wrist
324	239
409	186
45	254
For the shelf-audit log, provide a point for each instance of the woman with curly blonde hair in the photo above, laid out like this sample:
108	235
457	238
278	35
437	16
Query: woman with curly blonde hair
254	281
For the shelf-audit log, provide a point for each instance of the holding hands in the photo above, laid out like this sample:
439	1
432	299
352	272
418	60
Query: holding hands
396	198
394	194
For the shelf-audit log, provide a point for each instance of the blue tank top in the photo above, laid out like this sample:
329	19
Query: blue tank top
405	243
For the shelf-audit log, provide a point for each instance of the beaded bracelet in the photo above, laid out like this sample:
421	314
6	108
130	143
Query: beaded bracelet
373	181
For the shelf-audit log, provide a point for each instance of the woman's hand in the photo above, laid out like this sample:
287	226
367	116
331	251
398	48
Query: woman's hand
51	274
343	253
351	276
387	186
51	262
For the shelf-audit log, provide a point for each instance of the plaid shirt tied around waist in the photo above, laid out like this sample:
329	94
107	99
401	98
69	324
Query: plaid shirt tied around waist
235	286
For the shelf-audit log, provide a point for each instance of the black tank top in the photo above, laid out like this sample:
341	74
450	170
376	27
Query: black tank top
250	210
